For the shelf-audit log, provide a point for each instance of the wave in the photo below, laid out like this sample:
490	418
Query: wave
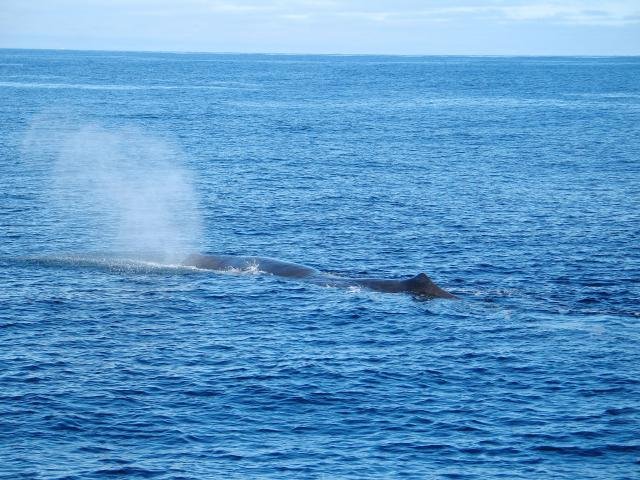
115	262
89	86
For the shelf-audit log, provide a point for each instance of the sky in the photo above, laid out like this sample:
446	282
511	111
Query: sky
404	27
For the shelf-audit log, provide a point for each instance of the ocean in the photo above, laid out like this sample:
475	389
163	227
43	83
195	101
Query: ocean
514	182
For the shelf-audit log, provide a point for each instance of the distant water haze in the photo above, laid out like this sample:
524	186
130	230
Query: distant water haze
130	187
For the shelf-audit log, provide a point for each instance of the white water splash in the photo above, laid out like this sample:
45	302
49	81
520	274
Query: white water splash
252	268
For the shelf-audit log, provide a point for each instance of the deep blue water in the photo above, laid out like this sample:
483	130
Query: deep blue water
513	182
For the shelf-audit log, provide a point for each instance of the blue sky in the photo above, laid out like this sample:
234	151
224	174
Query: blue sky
480	27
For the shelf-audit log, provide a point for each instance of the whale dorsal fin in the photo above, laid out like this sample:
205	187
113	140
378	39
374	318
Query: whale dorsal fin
423	285
422	278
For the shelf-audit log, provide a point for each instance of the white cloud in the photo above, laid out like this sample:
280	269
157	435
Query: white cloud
574	13
295	17
578	13
566	12
239	8
378	26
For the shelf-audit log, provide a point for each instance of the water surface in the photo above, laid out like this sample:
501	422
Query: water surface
513	182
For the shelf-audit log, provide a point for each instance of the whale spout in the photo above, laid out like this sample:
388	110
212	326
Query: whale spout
421	284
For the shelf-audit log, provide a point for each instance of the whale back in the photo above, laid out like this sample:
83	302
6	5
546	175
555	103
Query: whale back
247	263
421	284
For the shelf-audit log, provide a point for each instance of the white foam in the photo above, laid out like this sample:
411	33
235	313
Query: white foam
251	269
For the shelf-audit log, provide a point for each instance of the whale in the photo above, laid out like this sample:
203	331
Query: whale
419	285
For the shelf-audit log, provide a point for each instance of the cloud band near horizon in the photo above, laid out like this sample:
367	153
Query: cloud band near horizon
327	26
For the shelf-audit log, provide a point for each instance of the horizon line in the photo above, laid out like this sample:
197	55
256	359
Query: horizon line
205	52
